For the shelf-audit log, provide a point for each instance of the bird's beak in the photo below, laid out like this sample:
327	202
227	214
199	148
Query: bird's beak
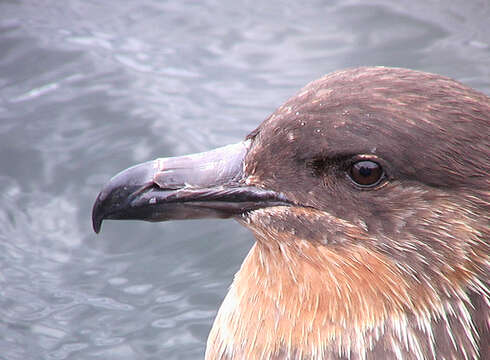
204	185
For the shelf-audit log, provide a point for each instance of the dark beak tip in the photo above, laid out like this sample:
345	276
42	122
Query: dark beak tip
96	223
97	215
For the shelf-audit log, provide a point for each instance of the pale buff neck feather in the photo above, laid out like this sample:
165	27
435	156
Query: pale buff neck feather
300	300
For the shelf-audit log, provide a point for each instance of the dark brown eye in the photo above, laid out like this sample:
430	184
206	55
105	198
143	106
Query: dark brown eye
366	173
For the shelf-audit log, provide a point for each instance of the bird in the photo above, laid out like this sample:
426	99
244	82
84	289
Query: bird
367	193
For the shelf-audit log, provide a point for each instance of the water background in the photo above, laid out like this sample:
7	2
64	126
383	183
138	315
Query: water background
88	88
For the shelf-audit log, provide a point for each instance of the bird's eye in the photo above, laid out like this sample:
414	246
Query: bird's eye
366	173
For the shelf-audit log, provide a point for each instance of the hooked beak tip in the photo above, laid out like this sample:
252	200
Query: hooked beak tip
116	194
97	216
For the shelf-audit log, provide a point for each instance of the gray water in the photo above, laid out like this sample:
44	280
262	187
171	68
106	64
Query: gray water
88	88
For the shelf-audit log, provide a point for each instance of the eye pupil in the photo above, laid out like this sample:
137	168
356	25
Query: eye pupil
366	173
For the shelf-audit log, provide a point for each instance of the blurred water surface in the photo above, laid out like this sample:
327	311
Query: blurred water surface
88	88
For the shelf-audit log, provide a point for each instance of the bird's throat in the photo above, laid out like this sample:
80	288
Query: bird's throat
295	300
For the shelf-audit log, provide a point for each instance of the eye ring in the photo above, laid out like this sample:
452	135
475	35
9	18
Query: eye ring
366	173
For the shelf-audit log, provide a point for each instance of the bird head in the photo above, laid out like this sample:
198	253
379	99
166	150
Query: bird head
367	193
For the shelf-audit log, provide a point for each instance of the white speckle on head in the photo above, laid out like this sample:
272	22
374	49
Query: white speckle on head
322	93
252	180
362	224
152	201
291	137
297	112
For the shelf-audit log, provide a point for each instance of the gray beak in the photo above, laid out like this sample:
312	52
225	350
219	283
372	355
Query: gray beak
204	185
